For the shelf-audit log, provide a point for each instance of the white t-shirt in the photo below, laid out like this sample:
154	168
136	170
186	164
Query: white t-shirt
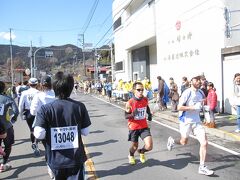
191	98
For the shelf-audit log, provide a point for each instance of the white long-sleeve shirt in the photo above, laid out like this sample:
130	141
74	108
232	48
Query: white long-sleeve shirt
40	99
26	99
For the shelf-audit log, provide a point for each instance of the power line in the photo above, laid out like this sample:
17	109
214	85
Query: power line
113	24
90	16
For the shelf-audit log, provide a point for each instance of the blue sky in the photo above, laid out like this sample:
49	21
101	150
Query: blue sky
55	22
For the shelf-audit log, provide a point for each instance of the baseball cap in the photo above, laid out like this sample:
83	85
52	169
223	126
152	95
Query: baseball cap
33	81
46	80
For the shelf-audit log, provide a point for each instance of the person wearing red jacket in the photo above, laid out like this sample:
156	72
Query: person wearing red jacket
212	103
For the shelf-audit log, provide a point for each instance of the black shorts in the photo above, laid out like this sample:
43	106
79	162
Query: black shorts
135	134
70	173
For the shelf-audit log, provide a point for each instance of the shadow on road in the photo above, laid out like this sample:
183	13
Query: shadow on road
101	143
96	132
20	169
124	169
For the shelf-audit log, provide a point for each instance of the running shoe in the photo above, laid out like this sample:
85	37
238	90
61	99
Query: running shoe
237	130
205	171
5	167
142	158
36	150
50	172
131	160
170	143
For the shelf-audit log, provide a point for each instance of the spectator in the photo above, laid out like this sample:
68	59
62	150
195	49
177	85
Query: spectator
160	92
185	84
204	83
173	94
236	99
212	104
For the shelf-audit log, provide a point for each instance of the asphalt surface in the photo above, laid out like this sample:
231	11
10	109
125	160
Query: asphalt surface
107	148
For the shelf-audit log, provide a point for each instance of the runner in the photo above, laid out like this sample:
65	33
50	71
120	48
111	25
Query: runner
61	123
190	105
7	104
135	112
40	99
24	108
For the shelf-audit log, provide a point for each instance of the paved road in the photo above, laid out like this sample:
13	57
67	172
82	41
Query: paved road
108	148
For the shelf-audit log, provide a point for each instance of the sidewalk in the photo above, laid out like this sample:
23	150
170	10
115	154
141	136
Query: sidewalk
225	124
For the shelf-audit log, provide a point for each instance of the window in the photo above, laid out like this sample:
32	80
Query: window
119	66
117	23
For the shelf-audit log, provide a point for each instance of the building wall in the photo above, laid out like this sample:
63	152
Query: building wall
234	7
137	30
185	38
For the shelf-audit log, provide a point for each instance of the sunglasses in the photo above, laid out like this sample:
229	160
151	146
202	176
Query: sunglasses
140	90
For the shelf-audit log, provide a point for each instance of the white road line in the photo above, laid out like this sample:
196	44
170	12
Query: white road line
175	129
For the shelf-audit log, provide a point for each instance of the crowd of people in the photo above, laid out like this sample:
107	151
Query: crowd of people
50	114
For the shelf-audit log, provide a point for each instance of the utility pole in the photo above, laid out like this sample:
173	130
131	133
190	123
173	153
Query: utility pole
112	63
31	60
11	58
83	51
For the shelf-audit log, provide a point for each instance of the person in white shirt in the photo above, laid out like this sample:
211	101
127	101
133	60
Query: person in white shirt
24	110
190	105
46	96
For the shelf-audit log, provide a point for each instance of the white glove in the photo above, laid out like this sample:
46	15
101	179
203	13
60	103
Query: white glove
198	106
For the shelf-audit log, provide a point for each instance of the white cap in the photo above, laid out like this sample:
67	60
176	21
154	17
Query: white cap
33	81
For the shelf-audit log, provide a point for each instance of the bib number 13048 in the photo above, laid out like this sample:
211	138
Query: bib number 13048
64	138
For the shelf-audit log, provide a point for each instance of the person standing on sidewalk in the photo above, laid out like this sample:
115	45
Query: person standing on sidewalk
24	109
135	111
61	123
211	104
161	93
173	94
190	104
236	99
7	120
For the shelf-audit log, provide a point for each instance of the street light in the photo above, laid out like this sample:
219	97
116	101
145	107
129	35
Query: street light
34	60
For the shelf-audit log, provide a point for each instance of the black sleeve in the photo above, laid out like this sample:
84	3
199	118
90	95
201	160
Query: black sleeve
148	110
40	119
85	117
14	110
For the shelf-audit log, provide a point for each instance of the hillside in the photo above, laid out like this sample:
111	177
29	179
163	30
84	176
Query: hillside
60	58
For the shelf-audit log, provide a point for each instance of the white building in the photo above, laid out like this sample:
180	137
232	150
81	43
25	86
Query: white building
174	38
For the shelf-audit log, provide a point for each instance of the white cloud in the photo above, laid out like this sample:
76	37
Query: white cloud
6	35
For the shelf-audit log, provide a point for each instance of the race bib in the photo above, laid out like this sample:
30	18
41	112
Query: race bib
64	138
141	114
1	109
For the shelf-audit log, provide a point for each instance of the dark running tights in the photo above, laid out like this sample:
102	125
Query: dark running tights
7	150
